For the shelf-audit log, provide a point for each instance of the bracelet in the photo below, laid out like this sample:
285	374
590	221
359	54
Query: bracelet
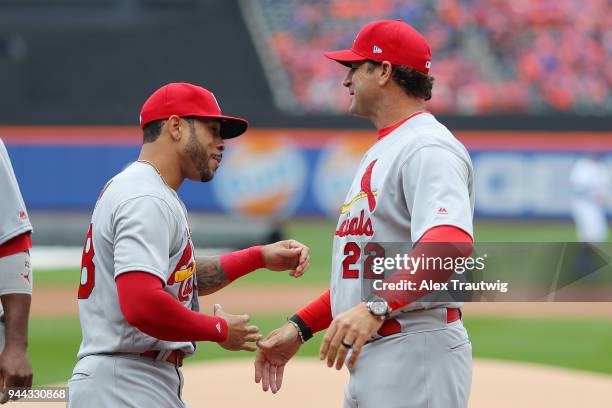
303	330
298	330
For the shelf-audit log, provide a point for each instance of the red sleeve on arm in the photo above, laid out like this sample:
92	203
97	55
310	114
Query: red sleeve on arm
146	306
239	263
15	245
446	235
317	315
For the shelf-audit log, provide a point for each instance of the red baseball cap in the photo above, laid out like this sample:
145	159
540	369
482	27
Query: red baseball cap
184	99
387	40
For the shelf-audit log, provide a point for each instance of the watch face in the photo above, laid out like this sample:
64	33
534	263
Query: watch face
378	307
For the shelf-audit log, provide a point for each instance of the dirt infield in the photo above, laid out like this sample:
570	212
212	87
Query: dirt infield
309	384
287	299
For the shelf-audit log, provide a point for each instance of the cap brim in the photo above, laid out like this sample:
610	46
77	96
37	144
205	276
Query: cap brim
230	126
344	57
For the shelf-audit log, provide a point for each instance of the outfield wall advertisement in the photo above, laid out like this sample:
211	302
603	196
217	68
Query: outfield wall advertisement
283	173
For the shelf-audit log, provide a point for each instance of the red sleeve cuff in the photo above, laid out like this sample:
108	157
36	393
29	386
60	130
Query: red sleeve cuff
15	245
239	263
317	315
446	233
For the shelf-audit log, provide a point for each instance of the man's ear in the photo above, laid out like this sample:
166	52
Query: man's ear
173	127
385	74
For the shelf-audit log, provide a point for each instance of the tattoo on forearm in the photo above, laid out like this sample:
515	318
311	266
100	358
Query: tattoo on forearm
211	276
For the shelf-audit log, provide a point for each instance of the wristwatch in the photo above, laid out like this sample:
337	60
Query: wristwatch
378	307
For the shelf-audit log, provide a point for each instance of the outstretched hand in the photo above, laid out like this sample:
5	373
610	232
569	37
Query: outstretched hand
239	333
287	255
274	352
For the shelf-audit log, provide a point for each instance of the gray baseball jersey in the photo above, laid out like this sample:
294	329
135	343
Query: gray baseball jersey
14	216
415	178
138	224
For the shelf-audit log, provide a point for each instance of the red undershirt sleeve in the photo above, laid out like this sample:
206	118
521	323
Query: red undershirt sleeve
239	263
446	233
15	245
317	315
143	300
453	242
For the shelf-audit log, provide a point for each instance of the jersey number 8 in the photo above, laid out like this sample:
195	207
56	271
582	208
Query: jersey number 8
88	269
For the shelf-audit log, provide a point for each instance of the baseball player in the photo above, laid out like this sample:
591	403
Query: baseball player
590	182
15	281
140	278
414	185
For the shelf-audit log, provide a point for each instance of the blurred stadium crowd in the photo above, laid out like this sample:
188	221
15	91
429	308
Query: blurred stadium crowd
490	56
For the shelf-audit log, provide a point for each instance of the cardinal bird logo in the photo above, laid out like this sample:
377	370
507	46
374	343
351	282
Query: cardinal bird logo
366	190
184	273
366	186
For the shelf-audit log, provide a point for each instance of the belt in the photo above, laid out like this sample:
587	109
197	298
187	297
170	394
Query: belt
175	357
392	326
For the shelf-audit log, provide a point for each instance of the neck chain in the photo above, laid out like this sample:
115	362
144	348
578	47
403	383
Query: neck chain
156	169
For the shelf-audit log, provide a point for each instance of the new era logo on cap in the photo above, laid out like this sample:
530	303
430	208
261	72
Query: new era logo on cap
428	64
218	327
377	50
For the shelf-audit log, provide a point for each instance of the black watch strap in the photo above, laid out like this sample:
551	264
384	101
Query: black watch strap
305	331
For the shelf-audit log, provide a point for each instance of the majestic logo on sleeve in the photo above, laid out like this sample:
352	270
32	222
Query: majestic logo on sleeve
184	274
361	225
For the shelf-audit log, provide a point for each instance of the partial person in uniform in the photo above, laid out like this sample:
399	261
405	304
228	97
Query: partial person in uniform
140	277
413	186
15	281
590	183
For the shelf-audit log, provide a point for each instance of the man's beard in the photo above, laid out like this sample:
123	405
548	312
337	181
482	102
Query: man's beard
199	157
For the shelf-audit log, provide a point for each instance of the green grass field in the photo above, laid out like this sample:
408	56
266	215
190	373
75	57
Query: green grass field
580	344
571	343
317	234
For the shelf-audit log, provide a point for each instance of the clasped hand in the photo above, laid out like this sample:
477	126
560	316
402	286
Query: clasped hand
353	327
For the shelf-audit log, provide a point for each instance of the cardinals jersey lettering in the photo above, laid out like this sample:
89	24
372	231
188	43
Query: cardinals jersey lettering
139	224
415	178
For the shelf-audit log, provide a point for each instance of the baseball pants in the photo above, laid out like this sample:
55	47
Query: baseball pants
425	369
124	380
